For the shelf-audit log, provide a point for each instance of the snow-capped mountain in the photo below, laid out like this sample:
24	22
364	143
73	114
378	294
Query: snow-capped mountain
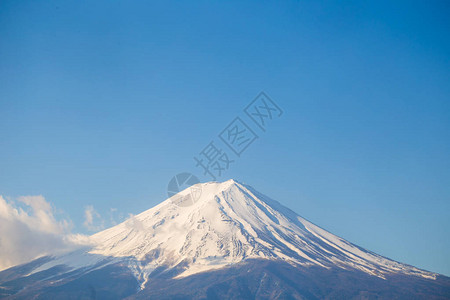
229	225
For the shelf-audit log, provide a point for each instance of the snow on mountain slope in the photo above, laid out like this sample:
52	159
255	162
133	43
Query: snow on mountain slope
229	223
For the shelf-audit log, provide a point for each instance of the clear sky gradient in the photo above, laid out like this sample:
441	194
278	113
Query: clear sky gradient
102	102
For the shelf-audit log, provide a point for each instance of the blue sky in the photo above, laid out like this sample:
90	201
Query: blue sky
103	102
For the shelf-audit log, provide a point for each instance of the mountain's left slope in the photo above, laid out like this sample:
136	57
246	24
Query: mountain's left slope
231	242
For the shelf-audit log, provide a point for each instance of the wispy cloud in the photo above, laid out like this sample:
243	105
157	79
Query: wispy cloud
29	229
133	222
93	221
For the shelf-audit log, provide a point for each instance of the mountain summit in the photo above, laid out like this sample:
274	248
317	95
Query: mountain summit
231	234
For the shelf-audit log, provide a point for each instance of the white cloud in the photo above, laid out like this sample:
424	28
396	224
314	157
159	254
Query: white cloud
112	219
133	222
29	229
92	219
